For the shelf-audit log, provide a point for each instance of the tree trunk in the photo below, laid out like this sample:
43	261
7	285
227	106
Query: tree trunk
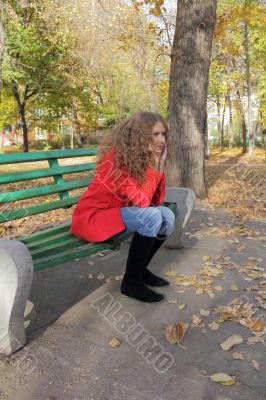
219	129
190	62
244	135
247	65
206	141
222	125
76	124
243	123
21	109
231	134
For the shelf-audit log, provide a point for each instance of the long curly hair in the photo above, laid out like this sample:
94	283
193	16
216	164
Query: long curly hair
130	139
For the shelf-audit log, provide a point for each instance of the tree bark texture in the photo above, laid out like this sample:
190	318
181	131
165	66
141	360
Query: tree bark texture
188	92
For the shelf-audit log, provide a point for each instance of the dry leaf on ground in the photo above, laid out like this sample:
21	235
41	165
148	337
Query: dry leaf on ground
231	341
254	324
256	365
238	355
213	326
222	378
114	343
174	333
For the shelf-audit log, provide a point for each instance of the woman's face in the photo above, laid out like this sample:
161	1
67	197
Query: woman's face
158	138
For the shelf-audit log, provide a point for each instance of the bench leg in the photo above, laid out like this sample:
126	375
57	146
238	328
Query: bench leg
16	273
185	200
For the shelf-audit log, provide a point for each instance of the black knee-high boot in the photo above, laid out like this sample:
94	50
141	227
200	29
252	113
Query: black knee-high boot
132	284
148	277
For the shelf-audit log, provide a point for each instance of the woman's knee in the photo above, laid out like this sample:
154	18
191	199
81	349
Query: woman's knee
168	220
151	220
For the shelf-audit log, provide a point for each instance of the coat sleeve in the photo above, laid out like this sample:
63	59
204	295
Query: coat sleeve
138	195
159	194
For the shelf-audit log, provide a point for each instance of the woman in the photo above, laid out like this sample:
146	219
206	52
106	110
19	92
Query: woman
125	196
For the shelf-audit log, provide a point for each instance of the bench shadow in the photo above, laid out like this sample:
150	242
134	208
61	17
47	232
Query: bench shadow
56	290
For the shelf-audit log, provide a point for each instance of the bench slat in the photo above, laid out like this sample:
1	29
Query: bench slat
43	190
25	212
45	155
72	254
57	248
45	173
60	237
42	234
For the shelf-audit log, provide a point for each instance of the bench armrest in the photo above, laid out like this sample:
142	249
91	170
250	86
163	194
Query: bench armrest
185	200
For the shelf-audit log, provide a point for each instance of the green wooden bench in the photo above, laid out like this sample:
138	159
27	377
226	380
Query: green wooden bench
57	245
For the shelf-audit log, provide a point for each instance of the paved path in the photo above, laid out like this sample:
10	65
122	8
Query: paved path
68	356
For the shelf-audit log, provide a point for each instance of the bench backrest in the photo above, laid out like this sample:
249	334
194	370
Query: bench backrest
54	170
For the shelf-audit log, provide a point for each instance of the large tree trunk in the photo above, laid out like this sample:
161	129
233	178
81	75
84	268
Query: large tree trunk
222	124
248	85
231	133
219	127
188	92
21	109
243	123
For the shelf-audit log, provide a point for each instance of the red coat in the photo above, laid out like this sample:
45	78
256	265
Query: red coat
97	215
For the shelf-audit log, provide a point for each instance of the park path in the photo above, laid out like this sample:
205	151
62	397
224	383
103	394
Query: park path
68	356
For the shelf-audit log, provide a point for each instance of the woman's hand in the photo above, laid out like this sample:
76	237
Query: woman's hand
160	160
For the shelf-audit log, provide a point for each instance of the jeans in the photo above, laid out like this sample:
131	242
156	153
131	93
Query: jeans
149	221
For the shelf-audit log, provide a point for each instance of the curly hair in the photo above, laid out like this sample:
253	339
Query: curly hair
131	138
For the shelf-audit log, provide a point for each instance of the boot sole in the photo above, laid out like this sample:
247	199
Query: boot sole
142	301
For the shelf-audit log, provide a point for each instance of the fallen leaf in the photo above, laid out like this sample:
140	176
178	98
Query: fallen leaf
114	343
238	355
206	258
196	320
171	273
241	248
181	306
214	326
231	341
254	339
256	365
222	378
187	280
218	288
100	276
205	313
234	287
254	324
174	333
172	301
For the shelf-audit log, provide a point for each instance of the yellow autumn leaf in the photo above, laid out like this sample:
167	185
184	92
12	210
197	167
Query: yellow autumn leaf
171	273
196	320
114	343
205	313
222	378
231	341
213	326
181	306
206	258
188	280
234	287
